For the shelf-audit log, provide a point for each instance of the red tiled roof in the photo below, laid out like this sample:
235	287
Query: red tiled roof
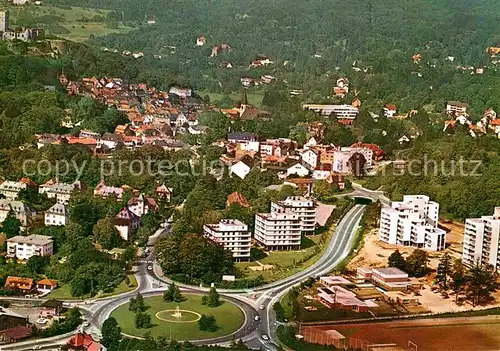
237	198
46	281
391	107
17	333
19	283
495	122
375	148
345	121
85	341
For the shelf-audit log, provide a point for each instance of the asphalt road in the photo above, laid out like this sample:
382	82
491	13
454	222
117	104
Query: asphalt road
256	302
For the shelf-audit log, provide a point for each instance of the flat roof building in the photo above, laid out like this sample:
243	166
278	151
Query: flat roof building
278	231
412	222
233	235
304	207
482	240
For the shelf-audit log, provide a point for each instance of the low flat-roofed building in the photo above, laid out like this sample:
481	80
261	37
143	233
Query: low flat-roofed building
388	278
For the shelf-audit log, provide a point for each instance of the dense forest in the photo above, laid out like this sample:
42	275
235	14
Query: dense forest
313	42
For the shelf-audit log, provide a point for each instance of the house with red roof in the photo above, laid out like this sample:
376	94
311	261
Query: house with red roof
83	342
163	191
390	110
378	153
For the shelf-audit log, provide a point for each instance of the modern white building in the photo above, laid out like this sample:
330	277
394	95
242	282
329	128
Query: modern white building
342	159
304	207
412	222
482	240
57	215
278	231
21	211
339	111
233	235
24	247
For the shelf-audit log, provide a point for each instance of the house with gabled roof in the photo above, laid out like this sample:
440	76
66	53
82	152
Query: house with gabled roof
126	223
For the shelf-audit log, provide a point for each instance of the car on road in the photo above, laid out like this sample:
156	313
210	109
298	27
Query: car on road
262	307
150	268
86	324
265	337
41	321
256	318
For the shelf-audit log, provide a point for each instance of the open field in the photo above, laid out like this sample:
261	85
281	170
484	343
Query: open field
64	291
458	334
72	23
228	316
285	262
254	97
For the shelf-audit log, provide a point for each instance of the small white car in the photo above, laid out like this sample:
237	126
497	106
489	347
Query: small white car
42	321
262	307
265	337
86	324
150	268
256	318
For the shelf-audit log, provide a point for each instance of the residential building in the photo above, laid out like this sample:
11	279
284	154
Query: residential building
233	235
46	285
57	215
311	157
390	110
456	108
13	326
239	137
24	247
126	222
141	205
51	308
60	191
18	283
482	240
298	169
343	159
278	231
412	222
304	207
11	189
83	342
165	192
21	211
339	111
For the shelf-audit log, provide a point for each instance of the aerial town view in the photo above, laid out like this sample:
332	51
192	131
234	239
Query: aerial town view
249	175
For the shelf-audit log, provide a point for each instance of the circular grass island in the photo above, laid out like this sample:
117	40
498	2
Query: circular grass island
179	320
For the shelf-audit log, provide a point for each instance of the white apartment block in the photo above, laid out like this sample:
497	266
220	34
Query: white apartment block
341	159
412	222
304	207
481	240
22	211
339	111
56	215
233	235
24	247
11	189
278	231
59	191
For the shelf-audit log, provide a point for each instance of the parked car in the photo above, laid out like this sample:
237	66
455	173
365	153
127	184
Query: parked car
265	337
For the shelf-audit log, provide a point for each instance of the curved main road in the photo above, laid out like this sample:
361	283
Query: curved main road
257	302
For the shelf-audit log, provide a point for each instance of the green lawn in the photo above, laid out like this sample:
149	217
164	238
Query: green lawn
286	262
228	316
79	23
64	291
254	97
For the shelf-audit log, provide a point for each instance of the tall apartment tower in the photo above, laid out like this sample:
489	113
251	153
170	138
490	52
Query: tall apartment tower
304	207
4	21
412	222
482	240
